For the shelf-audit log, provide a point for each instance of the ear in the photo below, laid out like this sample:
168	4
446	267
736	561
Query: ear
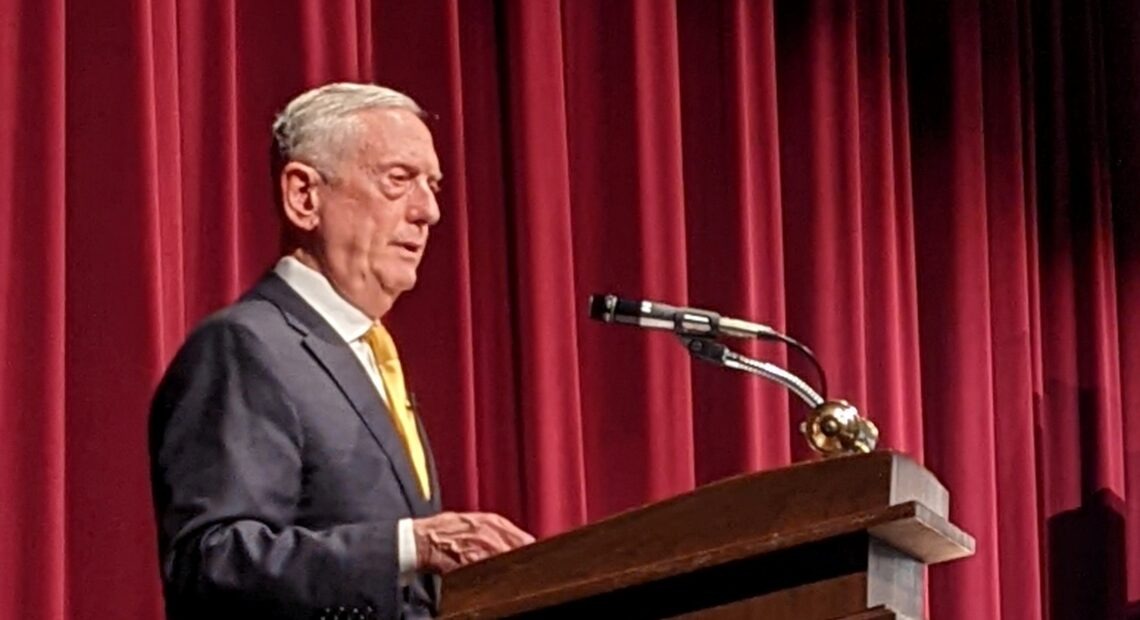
299	197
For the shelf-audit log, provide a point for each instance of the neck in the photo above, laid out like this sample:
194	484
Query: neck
374	308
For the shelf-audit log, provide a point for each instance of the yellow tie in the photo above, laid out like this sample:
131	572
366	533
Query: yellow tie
392	374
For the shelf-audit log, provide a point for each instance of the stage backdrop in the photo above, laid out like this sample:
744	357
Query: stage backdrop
939	196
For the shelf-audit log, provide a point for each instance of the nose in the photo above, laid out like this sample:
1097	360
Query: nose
423	206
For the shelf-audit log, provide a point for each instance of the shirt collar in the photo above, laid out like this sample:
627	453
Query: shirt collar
313	287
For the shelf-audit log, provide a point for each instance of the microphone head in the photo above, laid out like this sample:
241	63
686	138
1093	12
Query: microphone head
602	307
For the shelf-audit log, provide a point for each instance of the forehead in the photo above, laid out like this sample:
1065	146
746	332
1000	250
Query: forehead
396	135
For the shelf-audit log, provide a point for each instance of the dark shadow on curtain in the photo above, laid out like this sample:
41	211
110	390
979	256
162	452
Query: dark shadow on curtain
1086	561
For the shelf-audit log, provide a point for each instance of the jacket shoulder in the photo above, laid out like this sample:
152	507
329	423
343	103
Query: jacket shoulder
247	327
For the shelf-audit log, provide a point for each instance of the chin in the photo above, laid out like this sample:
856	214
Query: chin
399	284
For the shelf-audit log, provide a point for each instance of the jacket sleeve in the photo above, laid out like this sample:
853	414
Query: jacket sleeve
226	451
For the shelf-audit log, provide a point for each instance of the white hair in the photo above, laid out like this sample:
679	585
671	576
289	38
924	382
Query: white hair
314	126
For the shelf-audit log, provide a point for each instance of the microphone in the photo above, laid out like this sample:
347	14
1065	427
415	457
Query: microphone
833	427
692	322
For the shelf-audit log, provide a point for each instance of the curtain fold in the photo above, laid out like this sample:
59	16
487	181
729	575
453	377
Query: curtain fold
1122	71
543	269
122	305
32	291
955	290
938	197
624	146
730	139
1012	245
819	107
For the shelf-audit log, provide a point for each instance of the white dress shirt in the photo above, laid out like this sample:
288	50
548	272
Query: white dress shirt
350	324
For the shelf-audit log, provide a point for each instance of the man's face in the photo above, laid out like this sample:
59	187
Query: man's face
373	219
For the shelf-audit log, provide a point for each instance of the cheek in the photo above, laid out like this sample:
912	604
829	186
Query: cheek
359	224
380	227
370	237
352	232
367	233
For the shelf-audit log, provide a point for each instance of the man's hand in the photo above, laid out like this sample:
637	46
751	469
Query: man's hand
449	540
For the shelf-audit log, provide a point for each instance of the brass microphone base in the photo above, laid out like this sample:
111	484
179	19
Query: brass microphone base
835	428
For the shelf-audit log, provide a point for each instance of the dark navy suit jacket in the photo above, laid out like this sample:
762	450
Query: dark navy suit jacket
277	475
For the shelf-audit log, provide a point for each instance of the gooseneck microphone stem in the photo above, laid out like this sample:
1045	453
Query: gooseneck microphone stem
806	352
831	428
797	386
718	354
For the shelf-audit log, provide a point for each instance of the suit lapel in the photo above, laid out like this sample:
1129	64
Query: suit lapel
433	474
433	583
343	367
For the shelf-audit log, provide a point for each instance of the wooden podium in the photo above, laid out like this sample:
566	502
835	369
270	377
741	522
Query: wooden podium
844	537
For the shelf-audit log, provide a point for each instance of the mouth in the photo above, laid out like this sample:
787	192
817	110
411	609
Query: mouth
410	247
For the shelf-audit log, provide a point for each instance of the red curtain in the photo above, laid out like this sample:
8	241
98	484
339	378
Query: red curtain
940	197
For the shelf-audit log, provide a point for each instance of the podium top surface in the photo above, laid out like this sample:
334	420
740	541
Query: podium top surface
886	494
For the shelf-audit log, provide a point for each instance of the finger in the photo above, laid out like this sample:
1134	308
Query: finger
496	533
440	560
475	554
490	540
469	546
490	526
473	551
511	532
445	564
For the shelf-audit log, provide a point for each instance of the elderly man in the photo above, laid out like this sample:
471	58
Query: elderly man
291	478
